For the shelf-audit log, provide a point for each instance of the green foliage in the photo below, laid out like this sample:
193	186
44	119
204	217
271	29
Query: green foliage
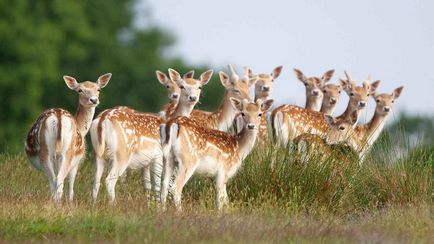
40	41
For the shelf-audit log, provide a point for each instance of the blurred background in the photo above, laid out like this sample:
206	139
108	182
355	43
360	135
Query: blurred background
40	41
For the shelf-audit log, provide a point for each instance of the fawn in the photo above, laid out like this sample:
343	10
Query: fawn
55	143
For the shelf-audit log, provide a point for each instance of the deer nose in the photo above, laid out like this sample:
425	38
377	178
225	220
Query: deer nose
362	104
251	126
175	95
315	92
192	98
333	100
93	100
265	88
386	109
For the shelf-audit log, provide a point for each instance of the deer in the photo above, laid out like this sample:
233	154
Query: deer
314	95
222	119
207	151
338	132
55	143
263	91
131	139
290	121
173	91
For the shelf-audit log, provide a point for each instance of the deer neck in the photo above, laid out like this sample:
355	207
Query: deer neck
246	141
182	109
83	118
225	114
327	110
374	128
313	103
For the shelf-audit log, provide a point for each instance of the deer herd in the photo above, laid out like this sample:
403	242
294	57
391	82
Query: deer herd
180	141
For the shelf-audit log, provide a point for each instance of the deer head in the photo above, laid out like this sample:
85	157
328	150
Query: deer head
358	94
313	86
251	112
331	97
340	131
264	84
190	88
385	101
88	91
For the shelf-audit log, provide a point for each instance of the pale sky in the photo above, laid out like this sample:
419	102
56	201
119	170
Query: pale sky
392	40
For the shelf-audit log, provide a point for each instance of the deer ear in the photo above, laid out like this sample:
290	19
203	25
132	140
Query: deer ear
252	81
206	76
175	76
300	75
104	79
237	104
248	72
374	86
367	87
266	105
276	71
328	75
329	119
70	82
397	92
343	84
188	75
162	78
224	78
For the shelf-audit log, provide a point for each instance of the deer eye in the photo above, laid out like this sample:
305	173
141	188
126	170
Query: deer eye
237	91
341	127
242	114
182	87
393	101
339	92
378	100
80	91
352	94
200	87
324	91
167	86
99	89
260	115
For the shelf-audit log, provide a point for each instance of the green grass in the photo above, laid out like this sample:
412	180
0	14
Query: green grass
275	197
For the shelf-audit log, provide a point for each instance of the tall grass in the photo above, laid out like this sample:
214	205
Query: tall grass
275	192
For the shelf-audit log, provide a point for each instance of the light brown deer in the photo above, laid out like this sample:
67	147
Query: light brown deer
173	91
131	139
263	91
223	118
207	151
314	95
55	143
311	146
290	121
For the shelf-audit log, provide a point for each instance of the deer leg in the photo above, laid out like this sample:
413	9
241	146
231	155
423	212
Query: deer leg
118	167
183	175
72	174
65	167
147	181
99	164
221	193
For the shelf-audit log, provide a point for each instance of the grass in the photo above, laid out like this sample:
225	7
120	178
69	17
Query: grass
275	197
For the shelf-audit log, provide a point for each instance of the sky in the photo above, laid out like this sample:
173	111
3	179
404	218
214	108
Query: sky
391	40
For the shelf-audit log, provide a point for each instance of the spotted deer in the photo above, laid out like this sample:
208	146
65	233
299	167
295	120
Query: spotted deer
206	151
173	91
55	143
290	121
314	95
223	118
131	139
263	91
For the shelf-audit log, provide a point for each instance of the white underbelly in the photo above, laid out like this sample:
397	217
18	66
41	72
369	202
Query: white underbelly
143	158
208	166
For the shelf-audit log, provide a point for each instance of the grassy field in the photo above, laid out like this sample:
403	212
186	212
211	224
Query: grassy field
275	197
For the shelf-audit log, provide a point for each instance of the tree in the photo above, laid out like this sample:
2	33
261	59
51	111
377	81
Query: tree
40	41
